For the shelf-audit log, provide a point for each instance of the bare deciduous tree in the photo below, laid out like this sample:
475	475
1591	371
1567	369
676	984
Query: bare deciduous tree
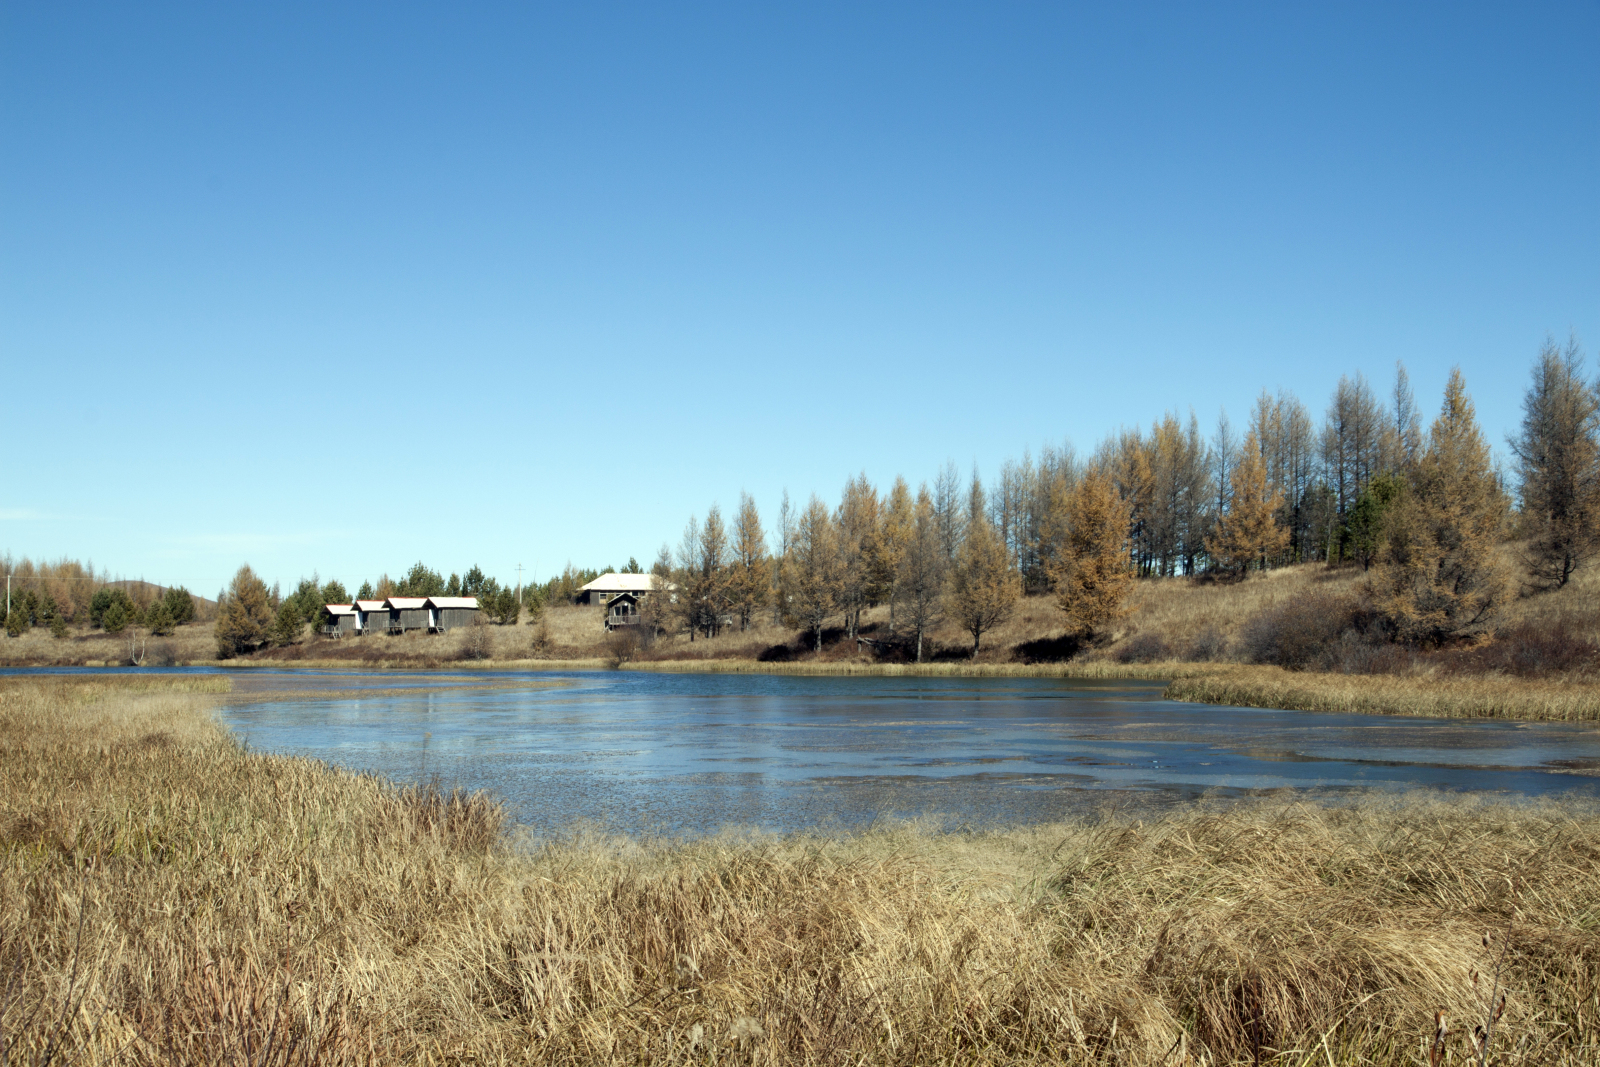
857	528
811	572
921	574
950	509
983	588
1557	454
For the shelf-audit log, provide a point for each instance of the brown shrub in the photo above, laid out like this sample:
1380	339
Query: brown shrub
1303	632
1207	646
162	654
477	642
1142	648
541	641
623	644
1530	649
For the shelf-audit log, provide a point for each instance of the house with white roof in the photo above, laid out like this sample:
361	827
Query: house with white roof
609	586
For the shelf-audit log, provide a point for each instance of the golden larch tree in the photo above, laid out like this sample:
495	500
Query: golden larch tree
749	580
1441	575
1093	571
245	618
1249	532
895	521
857	527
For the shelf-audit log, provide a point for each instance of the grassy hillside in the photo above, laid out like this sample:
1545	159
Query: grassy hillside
166	897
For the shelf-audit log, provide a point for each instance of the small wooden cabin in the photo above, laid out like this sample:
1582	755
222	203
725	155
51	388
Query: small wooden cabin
445	613
372	616
341	620
623	610
407	613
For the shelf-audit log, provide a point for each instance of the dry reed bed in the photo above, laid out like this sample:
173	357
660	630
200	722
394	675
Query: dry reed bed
166	897
1480	697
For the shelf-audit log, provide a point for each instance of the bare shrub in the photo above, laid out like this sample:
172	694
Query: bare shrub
1300	633
478	642
1366	652
1529	649
1049	649
1142	648
162	654
622	645
541	641
1208	645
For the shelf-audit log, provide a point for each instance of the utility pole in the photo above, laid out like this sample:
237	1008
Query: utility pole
8	596
519	583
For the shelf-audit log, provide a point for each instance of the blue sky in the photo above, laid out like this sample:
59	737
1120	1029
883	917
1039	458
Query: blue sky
338	287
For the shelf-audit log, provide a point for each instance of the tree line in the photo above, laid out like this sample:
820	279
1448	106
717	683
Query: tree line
67	593
1424	510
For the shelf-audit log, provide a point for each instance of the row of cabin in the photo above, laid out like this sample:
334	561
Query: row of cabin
401	614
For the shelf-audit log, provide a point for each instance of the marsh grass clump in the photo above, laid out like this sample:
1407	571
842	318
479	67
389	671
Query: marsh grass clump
167	897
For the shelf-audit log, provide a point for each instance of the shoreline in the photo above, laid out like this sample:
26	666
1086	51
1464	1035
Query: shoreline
1229	684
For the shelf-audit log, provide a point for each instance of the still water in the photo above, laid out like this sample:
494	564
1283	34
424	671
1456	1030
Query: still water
678	753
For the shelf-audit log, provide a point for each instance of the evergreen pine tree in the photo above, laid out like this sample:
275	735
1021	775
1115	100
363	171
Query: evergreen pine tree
1364	530
289	625
159	619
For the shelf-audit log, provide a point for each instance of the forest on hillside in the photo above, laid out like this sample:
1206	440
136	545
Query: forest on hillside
1421	507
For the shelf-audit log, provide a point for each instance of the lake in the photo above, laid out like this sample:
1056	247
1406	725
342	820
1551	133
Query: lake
688	753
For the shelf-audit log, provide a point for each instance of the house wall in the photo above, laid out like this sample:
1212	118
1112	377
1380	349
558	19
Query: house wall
413	618
450	618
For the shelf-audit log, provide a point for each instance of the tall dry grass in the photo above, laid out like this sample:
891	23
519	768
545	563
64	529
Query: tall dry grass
166	897
1562	699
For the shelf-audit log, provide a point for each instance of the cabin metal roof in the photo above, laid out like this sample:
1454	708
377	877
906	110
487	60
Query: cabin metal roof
617	583
407	603
454	602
